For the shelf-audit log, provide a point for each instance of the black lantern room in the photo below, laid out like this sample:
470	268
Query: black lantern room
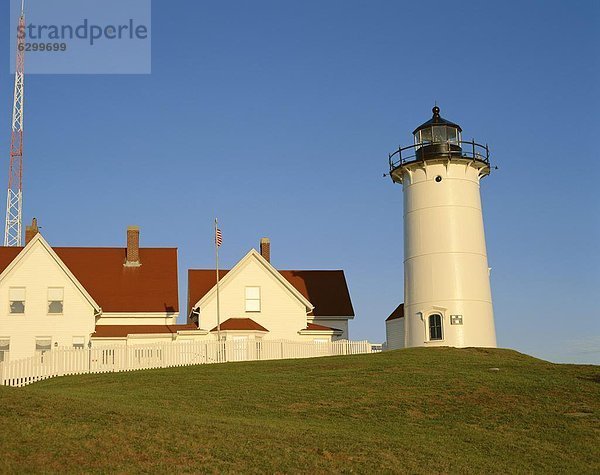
437	139
437	136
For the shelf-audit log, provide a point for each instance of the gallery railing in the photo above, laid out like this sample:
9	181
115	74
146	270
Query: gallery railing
433	150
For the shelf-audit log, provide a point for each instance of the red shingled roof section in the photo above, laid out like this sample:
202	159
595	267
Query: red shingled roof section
152	287
314	326
7	255
325	289
398	313
115	331
200	282
240	324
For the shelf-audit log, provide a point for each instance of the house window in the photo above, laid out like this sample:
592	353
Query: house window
435	326
252	299
16	298
42	346
55	300
78	342
4	349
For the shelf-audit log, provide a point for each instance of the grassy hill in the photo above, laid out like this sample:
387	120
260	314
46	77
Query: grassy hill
418	410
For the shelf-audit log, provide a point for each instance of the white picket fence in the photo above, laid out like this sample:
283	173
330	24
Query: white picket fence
68	361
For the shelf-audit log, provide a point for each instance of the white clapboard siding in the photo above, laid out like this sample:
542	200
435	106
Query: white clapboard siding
69	361
394	330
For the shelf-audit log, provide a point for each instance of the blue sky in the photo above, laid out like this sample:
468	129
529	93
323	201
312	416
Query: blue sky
277	117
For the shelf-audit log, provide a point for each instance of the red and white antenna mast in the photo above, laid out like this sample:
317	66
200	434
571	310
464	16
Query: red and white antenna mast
14	199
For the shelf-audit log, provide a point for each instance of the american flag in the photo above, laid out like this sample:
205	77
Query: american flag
218	237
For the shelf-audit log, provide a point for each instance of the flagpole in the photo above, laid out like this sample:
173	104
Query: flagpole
217	265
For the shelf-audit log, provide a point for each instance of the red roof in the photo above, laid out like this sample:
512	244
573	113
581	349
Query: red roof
241	324
152	287
325	289
398	313
315	327
115	331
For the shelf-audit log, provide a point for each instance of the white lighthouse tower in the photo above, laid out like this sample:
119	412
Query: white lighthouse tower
447	296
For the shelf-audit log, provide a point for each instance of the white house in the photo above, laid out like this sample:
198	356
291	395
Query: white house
99	296
259	301
71	296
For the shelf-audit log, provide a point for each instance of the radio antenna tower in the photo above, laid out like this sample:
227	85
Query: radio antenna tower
14	199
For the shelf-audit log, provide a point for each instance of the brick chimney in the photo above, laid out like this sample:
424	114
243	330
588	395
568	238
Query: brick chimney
133	247
31	231
265	248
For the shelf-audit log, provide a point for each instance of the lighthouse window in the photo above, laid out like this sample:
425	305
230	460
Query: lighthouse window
452	134
435	326
425	135
439	134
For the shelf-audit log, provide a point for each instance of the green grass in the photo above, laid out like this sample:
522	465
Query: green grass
419	411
